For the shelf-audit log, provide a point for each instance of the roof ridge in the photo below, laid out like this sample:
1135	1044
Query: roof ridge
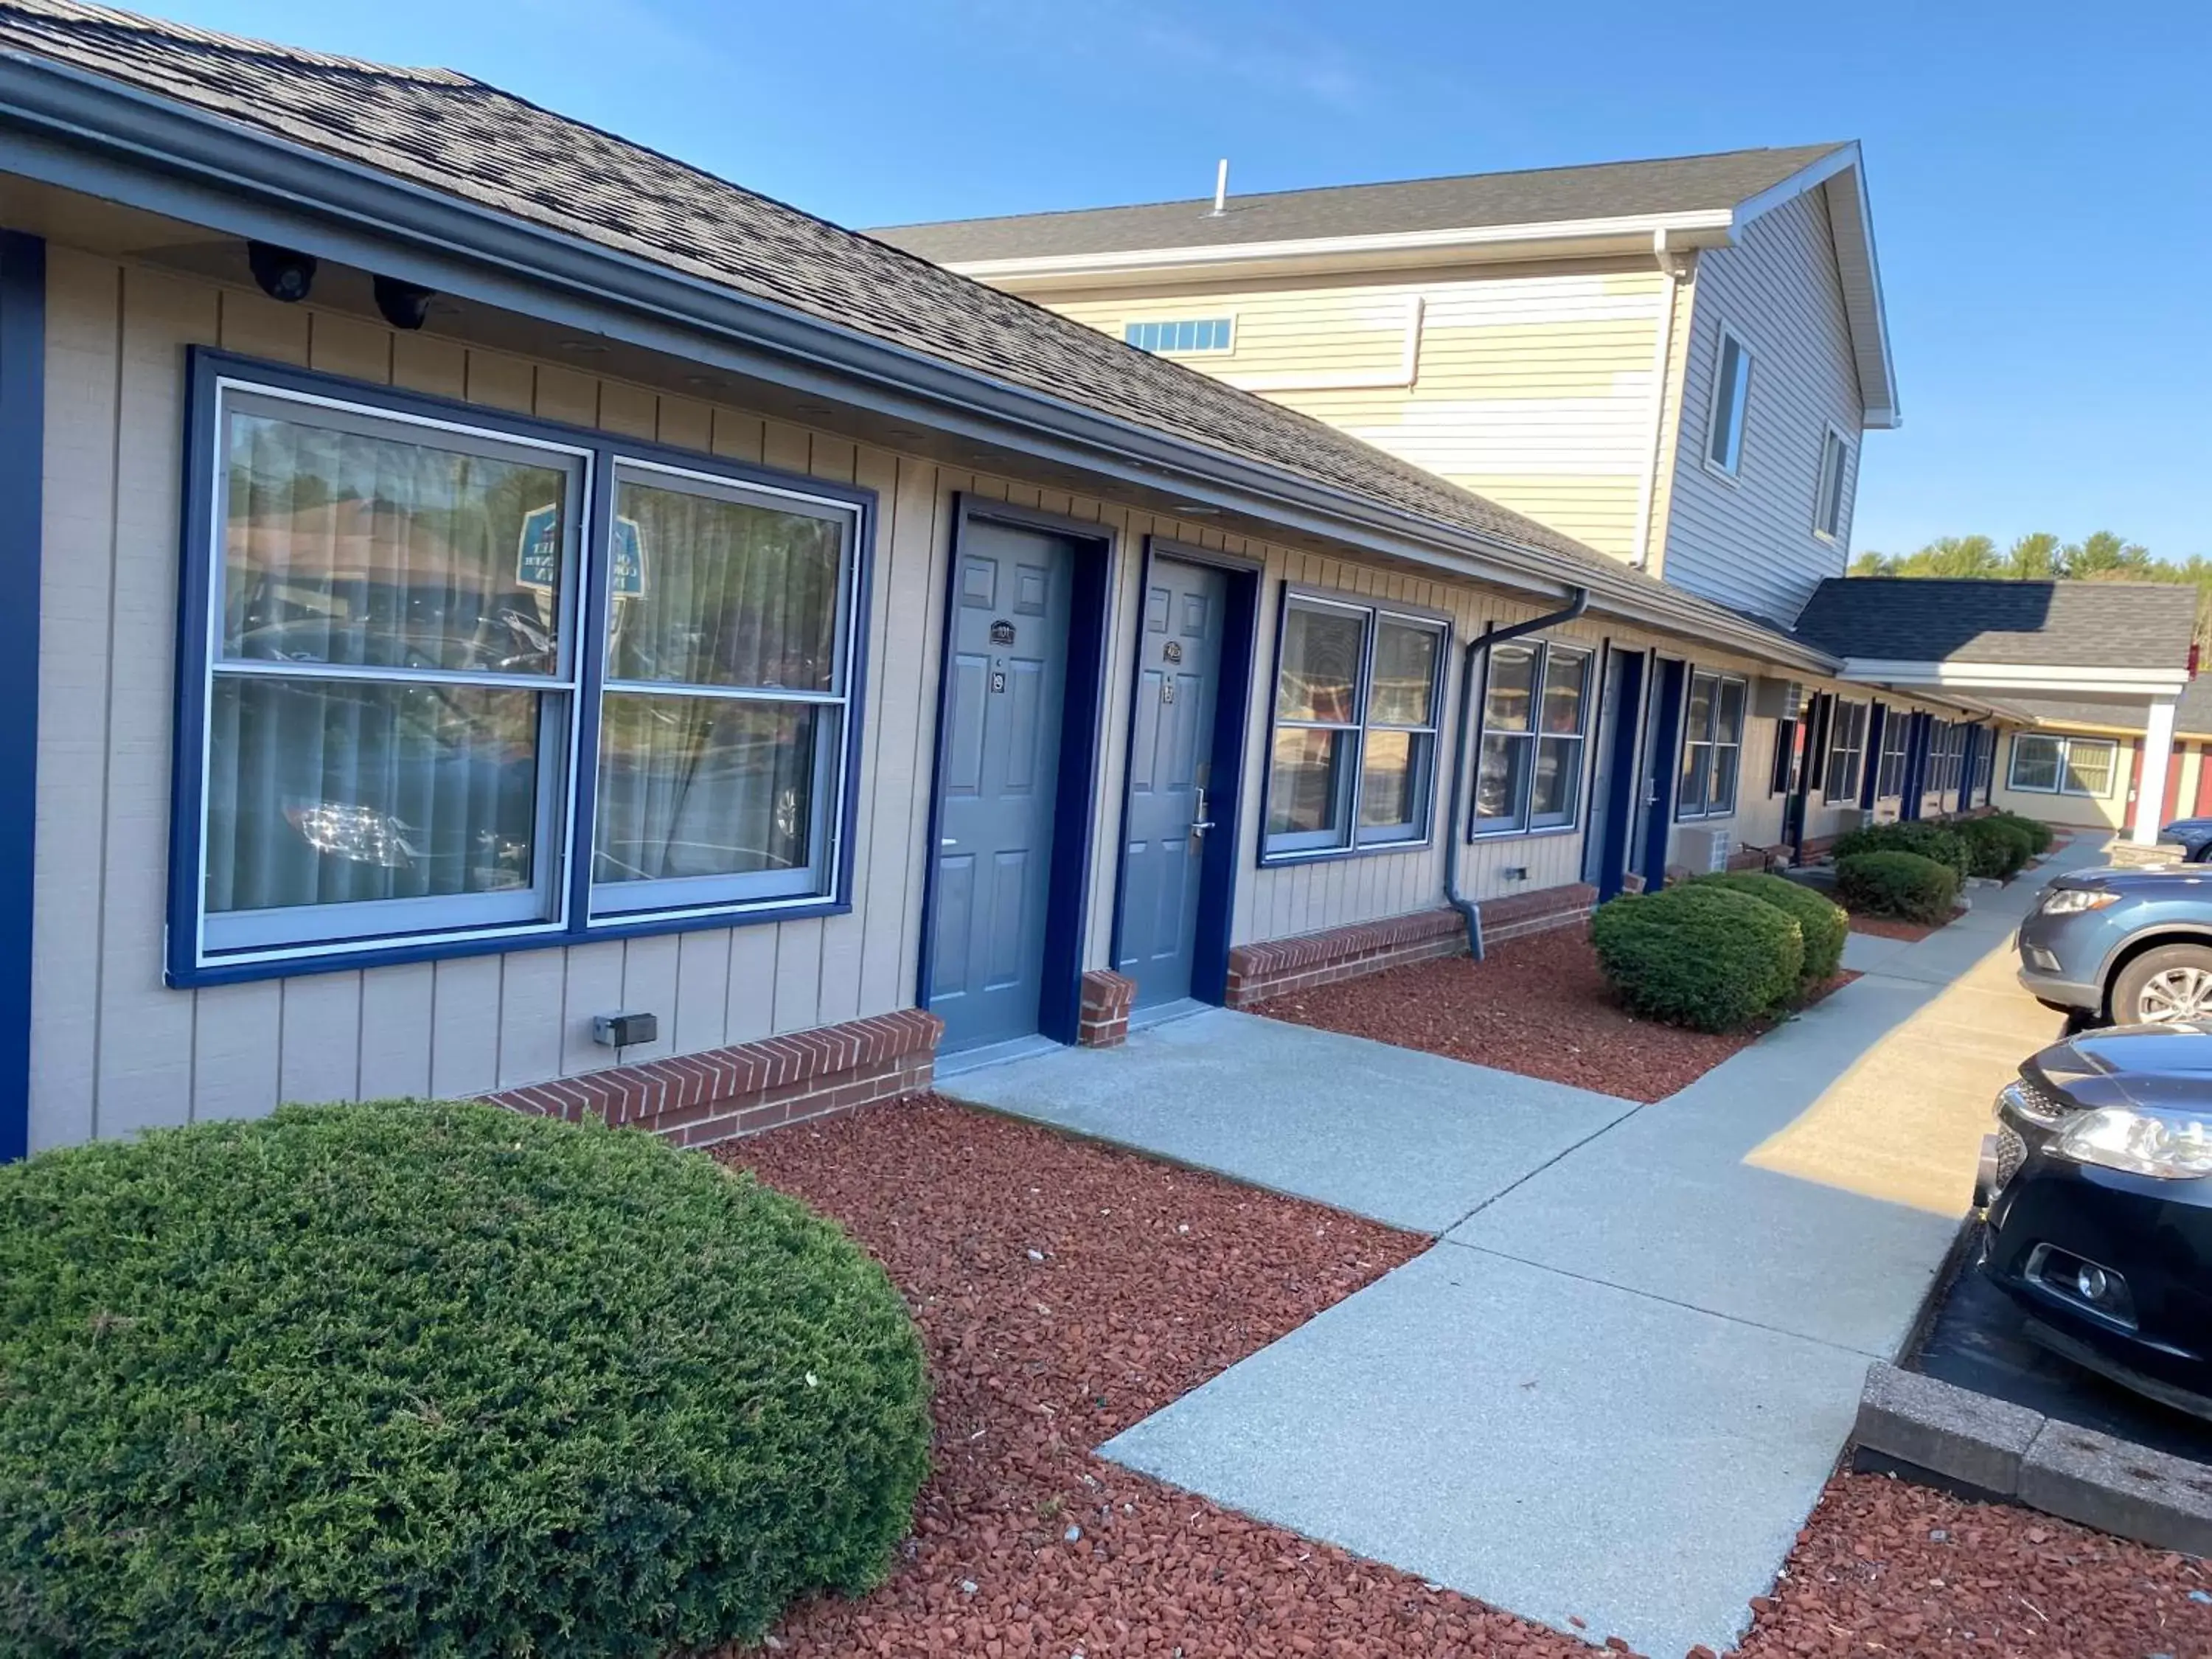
1816	151
81	13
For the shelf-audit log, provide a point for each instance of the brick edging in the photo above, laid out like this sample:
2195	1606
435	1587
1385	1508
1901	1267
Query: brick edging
1107	999
695	1099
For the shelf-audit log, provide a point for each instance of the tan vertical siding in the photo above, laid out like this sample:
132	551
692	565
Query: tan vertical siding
1748	541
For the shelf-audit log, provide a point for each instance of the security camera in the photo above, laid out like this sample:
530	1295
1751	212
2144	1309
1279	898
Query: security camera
403	304
282	273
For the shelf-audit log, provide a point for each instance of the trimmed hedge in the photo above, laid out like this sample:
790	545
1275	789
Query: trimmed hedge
1996	848
1939	842
1822	925
2039	835
1698	955
1901	885
434	1379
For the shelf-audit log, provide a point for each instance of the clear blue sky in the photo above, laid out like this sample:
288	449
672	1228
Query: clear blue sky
2041	191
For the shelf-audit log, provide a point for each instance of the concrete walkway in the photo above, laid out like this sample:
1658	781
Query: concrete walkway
1615	1387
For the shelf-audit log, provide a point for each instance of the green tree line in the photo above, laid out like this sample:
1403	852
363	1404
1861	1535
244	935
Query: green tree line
2039	555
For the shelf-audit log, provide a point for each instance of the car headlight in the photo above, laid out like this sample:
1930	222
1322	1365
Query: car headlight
2071	901
2140	1143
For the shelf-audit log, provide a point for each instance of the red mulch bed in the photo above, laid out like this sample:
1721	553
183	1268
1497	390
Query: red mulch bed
1035	1362
1891	928
1538	1006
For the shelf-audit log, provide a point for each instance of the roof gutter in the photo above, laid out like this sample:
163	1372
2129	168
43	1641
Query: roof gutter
85	132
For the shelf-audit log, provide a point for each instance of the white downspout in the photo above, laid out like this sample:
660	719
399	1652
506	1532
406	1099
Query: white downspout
1662	343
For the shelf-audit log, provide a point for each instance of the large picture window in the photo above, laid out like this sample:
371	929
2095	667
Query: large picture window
1357	692
1536	722
2047	765
1712	746
415	621
1847	730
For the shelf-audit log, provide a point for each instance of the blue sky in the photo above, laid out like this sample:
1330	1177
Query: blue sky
2038	172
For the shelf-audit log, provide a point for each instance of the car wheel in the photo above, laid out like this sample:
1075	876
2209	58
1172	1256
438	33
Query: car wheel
2165	985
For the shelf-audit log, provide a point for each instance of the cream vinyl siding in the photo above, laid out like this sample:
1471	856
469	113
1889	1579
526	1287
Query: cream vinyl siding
2109	811
1748	540
1532	389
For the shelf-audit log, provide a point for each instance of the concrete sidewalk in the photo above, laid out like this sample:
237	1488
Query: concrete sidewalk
1614	1388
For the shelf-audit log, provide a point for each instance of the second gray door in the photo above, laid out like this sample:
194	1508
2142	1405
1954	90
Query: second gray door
998	783
1171	751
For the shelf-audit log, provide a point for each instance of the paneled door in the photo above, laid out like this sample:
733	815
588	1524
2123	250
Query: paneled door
998	782
1170	810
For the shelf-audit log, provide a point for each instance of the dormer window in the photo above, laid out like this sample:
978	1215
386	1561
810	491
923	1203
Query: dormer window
1731	395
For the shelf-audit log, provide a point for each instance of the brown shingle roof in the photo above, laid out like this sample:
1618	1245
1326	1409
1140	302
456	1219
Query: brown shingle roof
1682	184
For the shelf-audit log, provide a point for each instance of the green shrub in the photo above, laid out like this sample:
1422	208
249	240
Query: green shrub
2040	833
1996	848
434	1379
1822	925
1698	955
1941	842
1901	885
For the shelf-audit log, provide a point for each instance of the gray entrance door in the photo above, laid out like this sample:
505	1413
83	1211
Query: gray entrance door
1001	769
1171	752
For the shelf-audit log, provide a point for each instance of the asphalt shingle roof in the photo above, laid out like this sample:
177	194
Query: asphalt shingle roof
2192	713
1543	196
457	135
2052	624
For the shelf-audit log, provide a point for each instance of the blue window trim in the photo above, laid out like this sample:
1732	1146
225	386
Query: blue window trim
23	459
204	368
1593	658
1721	676
1439	691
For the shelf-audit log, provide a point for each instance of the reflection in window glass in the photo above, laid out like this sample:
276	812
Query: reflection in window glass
1305	789
1405	674
1712	746
1525	779
2045	764
1731	394
1320	675
356	548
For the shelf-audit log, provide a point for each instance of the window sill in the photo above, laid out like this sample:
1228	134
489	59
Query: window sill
1324	854
188	975
1732	479
1475	838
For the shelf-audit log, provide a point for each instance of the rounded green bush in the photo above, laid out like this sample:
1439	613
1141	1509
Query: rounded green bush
1996	848
434	1379
1698	955
1939	842
1900	885
2040	833
1822	925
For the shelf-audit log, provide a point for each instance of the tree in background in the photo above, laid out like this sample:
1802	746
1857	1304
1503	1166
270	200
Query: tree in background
2039	555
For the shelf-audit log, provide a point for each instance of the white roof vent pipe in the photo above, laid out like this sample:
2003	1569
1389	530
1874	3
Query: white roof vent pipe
1221	188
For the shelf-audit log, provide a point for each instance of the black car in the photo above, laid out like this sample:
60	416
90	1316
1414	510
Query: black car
2097	1190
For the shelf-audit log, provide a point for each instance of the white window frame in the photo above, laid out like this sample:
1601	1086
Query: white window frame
1842	725
1349	836
1835	469
2063	747
1896	750
1736	405
1525	821
1226	320
562	904
1712	743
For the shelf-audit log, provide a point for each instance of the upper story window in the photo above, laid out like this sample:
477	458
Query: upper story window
1713	745
1731	399
1357	692
1182	336
1535	723
1847	730
464	678
2045	764
1835	469
1889	774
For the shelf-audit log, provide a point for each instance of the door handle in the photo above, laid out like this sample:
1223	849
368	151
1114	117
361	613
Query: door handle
1200	823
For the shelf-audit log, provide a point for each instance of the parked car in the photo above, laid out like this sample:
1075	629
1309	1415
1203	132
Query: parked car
2130	947
2097	1190
2193	836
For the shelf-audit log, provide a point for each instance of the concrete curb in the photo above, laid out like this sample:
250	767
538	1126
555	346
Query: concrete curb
1991	1446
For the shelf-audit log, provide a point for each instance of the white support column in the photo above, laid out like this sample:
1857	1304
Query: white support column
2157	756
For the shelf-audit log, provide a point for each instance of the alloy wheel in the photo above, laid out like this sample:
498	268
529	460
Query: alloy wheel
2173	994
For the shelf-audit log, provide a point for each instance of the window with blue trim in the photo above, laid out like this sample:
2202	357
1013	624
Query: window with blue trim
1357	692
441	654
1181	335
1535	721
1712	746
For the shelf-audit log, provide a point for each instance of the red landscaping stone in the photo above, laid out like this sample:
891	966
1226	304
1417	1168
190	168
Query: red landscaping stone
1065	1289
1891	928
1538	1005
